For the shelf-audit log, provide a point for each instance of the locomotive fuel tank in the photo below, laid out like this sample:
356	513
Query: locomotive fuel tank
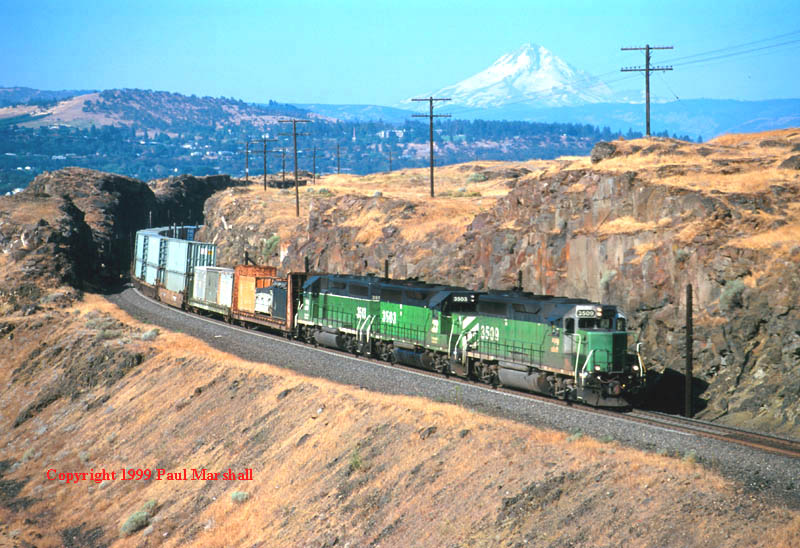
330	338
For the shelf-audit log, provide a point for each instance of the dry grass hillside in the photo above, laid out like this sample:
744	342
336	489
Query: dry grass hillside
331	465
68	112
633	225
728	165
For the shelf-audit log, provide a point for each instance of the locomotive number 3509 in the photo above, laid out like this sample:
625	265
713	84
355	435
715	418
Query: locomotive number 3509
490	333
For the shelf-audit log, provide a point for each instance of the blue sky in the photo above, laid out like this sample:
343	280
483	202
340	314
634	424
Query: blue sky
380	52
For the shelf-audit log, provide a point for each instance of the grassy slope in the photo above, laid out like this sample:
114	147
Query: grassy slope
329	462
727	165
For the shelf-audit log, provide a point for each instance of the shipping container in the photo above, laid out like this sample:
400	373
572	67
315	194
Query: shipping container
212	289
165	261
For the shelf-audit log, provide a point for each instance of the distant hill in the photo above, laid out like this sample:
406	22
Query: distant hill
21	95
707	118
696	117
360	113
143	109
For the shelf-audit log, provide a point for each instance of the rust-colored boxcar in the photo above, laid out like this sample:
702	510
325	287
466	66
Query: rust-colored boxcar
261	296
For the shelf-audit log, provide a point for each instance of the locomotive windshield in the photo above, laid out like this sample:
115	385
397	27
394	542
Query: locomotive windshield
595	323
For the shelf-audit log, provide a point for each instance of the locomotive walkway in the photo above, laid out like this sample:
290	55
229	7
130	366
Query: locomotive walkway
778	474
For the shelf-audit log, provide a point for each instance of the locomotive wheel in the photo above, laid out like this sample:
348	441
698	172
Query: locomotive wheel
484	373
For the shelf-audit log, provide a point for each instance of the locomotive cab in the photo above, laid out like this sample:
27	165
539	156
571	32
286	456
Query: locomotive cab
597	338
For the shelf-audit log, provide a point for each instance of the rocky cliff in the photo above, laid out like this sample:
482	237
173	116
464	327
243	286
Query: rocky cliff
76	226
633	226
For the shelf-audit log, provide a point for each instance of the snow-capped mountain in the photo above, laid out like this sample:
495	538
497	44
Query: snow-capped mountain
533	75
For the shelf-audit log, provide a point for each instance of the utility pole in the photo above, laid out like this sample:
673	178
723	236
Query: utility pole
294	122
688	396
431	116
264	140
390	160
647	70
314	169
338	170
247	161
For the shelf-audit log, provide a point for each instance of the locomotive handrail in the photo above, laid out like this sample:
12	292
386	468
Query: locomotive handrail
641	361
577	356
369	328
583	369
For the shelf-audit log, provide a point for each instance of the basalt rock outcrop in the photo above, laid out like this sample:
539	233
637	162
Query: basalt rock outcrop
41	240
77	226
180	199
632	226
114	207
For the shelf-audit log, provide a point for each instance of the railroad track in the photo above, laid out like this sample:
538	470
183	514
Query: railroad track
773	444
781	446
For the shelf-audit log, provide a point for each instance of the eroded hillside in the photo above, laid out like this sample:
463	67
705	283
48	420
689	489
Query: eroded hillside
633	225
77	226
86	388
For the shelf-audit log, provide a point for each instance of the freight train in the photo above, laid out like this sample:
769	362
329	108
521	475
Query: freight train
573	349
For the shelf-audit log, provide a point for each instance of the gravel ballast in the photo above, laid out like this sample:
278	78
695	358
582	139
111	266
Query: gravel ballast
756	470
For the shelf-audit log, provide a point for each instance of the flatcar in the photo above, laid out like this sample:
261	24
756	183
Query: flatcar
573	349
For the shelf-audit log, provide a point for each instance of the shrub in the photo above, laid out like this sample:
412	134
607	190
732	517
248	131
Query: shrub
355	461
151	507
150	335
269	247
108	334
575	436
476	177
732	295
240	496
136	522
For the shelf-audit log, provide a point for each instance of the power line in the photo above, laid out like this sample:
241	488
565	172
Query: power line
647	70
732	47
431	116
737	53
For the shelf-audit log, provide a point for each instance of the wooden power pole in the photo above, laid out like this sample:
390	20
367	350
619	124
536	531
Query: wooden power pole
294	122
264	141
647	69
431	116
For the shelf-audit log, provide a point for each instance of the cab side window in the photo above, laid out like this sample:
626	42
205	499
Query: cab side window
569	325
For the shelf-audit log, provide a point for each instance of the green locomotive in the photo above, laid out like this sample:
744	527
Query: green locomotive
570	348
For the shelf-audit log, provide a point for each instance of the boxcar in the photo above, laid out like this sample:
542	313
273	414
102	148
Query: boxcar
261	297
